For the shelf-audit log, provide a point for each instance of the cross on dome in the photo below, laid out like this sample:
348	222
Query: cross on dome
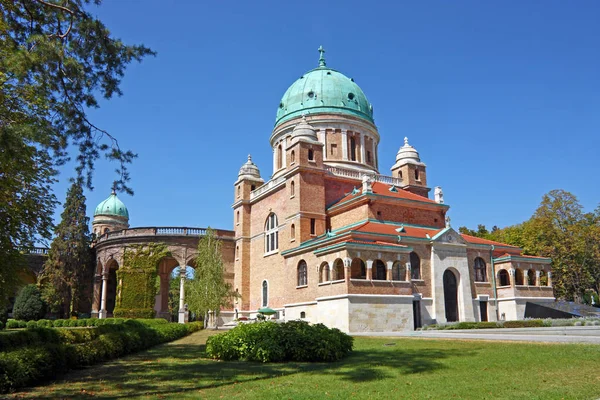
406	141
322	62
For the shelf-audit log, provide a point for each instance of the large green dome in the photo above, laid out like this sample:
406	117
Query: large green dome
112	206
324	90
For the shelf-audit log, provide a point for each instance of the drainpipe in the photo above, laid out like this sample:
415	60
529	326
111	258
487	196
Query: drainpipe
494	282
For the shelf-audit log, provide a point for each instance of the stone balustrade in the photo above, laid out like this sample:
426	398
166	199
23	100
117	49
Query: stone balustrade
354	174
161	231
266	187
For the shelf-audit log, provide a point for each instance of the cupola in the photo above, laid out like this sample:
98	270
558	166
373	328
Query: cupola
110	215
249	170
304	131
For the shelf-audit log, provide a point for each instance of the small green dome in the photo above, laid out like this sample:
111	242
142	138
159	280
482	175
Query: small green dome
112	206
324	90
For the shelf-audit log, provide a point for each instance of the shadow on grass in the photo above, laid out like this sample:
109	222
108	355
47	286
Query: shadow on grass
180	368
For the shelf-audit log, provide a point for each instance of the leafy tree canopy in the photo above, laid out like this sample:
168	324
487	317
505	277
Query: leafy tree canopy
56	60
29	304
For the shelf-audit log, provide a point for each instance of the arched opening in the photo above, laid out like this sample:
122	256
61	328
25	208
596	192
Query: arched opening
398	271
417	174
353	149
271	234
451	296
265	293
302	273
311	155
237	252
531	277
415	266
324	273
237	217
292	232
302	314
518	277
503	279
358	270
378	270
292	156
292	189
543	278
111	286
279	156
169	276
479	266
338	270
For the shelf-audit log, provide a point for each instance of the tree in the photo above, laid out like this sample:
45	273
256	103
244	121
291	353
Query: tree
29	304
68	270
55	59
208	291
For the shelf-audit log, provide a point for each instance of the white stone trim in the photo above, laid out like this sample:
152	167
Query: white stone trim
526	298
307	303
377	296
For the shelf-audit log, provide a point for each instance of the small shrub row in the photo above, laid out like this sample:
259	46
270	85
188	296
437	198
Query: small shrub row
53	351
273	342
526	323
134	313
59	323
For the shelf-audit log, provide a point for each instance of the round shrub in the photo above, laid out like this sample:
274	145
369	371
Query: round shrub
82	322
44	323
31	324
59	323
272	342
29	304
12	324
578	323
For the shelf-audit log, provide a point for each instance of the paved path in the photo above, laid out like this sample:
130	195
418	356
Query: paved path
570	334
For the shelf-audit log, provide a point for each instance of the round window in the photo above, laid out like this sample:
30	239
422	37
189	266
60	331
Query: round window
351	96
311	94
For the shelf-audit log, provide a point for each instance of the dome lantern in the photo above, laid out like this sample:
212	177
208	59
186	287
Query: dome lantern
249	171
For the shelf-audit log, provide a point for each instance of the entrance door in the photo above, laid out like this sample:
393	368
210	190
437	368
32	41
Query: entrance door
417	314
451	296
483	310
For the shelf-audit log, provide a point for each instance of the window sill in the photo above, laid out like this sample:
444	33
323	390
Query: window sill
292	240
301	286
482	283
292	196
270	253
417	280
324	283
337	281
312	161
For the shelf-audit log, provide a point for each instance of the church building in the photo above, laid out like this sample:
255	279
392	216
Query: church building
328	238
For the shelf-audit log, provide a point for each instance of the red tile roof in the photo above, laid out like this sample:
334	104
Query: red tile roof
389	229
520	255
478	240
383	189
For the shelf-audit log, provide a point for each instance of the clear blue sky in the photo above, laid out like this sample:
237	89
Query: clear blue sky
501	99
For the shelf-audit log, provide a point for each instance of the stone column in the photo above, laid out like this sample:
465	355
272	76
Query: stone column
183	313
408	272
370	270
512	277
388	275
284	154
538	273
347	270
345	145
362	149
103	312
323	139
549	278
275	158
375	157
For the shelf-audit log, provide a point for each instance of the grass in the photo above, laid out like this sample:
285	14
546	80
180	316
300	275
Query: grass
378	368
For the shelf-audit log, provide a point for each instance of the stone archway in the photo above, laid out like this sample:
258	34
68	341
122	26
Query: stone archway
451	295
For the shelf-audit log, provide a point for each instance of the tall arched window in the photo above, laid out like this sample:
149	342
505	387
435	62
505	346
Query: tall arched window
358	270
518	277
398	271
324	273
279	157
237	217
503	278
271	234
353	149
479	266
302	273
265	294
292	189
292	232
417	174
415	266
531	277
338	270
311	155
379	271
292	156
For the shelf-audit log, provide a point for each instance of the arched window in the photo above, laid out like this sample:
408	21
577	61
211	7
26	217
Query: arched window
239	190
324	273
271	234
417	174
531	277
237	252
302	314
237	217
292	232
302	273
543	278
518	277
479	266
338	270
358	270
398	271
311	155
292	156
415	266
353	149
265	294
503	278
279	157
292	189
369	157
379	273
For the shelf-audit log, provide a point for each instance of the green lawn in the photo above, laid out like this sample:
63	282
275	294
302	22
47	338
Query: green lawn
378	368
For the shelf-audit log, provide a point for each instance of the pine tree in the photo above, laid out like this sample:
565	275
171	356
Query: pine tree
67	272
208	291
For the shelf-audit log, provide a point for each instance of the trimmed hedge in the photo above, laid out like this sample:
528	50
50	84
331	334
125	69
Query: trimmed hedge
42	353
135	313
526	323
273	342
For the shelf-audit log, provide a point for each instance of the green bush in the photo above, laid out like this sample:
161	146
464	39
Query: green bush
59	323
44	323
31	324
29	304
488	325
527	323
39	353
272	342
3	316
134	313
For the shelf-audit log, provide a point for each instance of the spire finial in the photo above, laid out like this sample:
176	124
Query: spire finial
405	141
114	188
249	158
322	62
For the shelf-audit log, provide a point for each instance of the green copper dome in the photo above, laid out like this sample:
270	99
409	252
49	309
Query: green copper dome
112	206
324	90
